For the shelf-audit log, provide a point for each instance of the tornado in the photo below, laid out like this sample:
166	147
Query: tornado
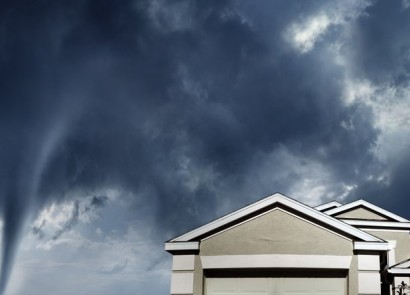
13	220
15	207
24	177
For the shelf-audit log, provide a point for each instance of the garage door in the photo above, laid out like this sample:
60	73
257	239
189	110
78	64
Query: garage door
275	286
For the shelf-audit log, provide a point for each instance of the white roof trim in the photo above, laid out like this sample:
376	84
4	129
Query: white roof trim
381	224
403	265
368	205
371	246
284	211
280	199
328	205
399	271
181	246
390	230
276	261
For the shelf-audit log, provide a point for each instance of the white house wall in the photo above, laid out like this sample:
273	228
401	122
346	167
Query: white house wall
182	283
183	262
368	267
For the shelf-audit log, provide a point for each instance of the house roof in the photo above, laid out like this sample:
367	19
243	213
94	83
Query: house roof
268	202
328	206
401	268
365	204
402	264
370	224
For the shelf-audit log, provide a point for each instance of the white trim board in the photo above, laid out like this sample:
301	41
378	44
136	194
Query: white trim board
399	271
284	211
276	261
328	205
404	264
283	200
370	246
376	224
385	230
182	246
368	205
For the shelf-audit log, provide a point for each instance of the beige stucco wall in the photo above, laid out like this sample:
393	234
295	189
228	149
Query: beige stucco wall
361	213
198	277
276	232
402	250
353	279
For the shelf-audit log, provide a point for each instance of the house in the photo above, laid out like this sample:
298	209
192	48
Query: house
281	246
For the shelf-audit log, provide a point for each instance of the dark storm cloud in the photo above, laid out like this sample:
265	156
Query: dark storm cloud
381	51
98	202
172	101
37	230
389	192
381	43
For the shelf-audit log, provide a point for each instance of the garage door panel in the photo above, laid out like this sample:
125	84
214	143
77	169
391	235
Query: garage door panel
254	286
335	286
294	286
222	286
313	286
275	286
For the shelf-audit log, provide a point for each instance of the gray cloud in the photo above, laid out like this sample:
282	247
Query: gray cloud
197	103
83	210
72	221
115	269
379	53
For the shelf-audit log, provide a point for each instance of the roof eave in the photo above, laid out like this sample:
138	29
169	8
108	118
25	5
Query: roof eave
268	201
370	206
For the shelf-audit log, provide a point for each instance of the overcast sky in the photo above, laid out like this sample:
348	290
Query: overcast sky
126	123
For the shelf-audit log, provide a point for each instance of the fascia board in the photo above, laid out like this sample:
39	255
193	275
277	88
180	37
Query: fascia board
276	261
403	265
377	224
328	205
226	219
281	199
399	271
371	246
182	246
368	205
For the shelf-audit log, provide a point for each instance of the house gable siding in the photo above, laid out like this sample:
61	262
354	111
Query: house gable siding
362	213
276	232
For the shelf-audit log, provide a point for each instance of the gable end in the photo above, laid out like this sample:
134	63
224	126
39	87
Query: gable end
276	200
362	213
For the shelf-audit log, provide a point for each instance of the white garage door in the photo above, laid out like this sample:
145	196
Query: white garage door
275	286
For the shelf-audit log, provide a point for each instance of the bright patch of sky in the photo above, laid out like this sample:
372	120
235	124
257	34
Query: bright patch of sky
92	257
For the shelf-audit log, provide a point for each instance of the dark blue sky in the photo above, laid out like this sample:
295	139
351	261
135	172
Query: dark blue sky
125	123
